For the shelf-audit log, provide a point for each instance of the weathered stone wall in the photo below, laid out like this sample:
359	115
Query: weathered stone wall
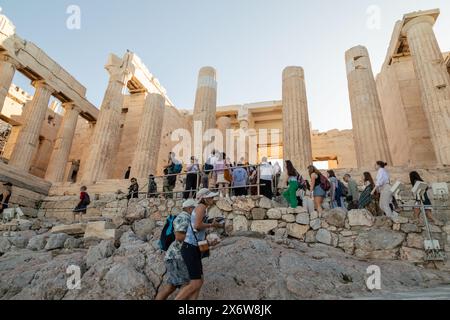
47	137
80	146
335	144
404	117
28	201
357	232
130	124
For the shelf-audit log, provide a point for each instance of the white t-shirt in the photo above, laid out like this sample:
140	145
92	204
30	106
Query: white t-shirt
382	178
212	159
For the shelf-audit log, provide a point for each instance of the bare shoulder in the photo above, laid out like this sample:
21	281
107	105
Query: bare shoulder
200	209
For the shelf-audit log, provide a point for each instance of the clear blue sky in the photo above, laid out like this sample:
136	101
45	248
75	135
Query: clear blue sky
249	42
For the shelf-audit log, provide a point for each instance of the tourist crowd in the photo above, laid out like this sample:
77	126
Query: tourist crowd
317	191
188	246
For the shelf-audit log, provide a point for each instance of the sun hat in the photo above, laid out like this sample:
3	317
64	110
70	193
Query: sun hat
190	203
206	194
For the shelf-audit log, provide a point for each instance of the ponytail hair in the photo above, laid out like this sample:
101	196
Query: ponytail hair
382	164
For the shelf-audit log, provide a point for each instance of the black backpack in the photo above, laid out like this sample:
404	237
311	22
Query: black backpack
87	200
342	190
167	234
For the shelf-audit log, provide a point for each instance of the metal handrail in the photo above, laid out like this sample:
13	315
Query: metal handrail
206	171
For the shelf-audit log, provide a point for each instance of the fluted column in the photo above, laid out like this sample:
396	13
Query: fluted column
206	98
32	119
243	146
149	137
7	71
63	144
224	125
434	82
296	130
369	132
106	134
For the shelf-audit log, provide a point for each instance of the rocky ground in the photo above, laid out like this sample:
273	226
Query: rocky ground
244	266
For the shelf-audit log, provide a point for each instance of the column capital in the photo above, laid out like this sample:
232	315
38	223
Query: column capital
122	77
71	106
42	84
419	20
8	59
293	71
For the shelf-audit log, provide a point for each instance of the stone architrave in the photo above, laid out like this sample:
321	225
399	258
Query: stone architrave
149	138
296	129
368	125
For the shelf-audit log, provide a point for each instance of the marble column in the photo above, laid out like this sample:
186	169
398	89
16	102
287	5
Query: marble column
7	71
32	119
206	98
369	132
434	82
243	146
296	130
224	126
105	140
145	159
63	144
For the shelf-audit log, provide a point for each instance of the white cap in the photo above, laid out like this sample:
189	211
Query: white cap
206	194
190	203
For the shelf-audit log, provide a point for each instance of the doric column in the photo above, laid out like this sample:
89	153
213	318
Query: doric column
63	144
206	98
106	134
243	146
368	125
7	71
32	119
434	82
296	130
149	138
224	126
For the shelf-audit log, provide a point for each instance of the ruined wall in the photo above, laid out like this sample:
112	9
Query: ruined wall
357	233
173	119
80	146
131	119
406	125
335	143
46	141
130	124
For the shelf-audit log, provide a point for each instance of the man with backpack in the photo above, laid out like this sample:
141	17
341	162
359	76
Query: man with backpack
173	167
353	192
81	207
172	238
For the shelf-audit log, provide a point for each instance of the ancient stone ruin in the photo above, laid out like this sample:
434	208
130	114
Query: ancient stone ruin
400	115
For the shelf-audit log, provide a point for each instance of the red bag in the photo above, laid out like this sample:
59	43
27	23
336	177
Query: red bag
325	183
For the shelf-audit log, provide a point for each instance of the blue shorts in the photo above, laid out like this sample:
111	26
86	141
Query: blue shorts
177	273
319	192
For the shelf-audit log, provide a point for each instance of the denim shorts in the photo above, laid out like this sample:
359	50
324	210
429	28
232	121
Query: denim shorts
177	273
319	192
